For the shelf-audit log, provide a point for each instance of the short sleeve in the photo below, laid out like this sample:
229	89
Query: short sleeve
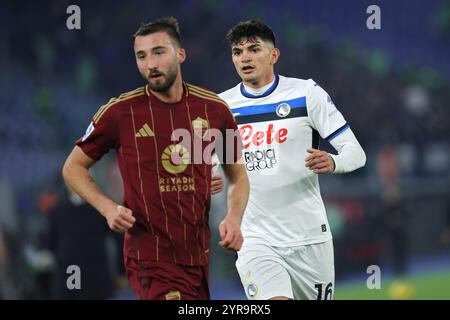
101	135
325	117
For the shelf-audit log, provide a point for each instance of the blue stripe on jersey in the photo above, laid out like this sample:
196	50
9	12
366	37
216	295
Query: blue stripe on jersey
268	108
345	127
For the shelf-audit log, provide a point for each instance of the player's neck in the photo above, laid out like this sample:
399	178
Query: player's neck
259	83
173	94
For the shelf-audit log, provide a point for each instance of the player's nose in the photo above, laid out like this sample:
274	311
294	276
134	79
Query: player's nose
245	58
151	65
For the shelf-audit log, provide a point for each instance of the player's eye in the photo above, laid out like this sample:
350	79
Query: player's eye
236	53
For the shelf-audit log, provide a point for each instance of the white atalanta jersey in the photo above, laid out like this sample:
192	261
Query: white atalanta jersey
285	207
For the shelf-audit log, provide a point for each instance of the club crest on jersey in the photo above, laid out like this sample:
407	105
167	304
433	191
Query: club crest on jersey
283	110
200	126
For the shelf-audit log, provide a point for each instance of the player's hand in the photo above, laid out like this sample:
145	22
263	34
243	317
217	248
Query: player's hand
217	183
120	219
319	161
230	235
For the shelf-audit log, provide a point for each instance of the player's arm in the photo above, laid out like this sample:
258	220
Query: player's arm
351	155
331	125
238	192
217	181
76	175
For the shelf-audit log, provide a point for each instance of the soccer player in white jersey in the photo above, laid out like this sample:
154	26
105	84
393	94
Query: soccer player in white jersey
288	249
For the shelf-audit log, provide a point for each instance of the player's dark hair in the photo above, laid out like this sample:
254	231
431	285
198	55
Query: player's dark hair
250	30
168	25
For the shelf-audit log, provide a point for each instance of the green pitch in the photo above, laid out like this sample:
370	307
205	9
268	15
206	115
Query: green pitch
430	286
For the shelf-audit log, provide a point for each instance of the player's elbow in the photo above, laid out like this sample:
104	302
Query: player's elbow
69	170
66	170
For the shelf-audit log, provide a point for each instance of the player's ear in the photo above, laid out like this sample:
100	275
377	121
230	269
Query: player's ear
275	55
181	55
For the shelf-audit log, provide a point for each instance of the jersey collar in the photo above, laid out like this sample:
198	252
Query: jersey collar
264	94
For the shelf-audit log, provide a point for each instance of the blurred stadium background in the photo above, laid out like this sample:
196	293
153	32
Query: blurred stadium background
392	85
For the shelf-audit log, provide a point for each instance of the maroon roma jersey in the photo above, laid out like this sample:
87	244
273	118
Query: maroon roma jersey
165	187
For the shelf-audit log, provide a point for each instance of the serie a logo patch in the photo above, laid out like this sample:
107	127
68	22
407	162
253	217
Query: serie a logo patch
88	132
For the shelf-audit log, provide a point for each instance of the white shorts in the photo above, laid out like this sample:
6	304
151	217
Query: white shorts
301	272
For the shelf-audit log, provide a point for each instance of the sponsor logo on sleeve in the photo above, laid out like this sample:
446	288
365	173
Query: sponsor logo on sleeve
88	132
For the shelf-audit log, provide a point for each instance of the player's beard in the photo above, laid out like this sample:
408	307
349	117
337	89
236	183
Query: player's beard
165	82
250	78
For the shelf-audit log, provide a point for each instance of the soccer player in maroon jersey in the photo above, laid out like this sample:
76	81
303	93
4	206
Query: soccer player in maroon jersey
167	195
